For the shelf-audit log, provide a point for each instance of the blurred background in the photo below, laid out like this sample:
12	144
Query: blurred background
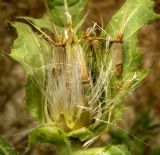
140	126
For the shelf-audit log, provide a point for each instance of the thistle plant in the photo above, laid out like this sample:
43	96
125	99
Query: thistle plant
77	80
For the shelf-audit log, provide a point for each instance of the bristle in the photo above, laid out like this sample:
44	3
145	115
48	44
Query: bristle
70	90
80	23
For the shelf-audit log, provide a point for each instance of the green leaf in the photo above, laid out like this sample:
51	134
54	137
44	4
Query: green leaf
57	11
131	55
6	149
126	22
43	22
34	101
47	134
26	50
109	150
82	134
75	9
131	17
29	50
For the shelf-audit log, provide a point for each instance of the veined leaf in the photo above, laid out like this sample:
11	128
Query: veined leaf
47	133
75	9
126	22
131	17
57	11
6	149
43	22
29	50
132	54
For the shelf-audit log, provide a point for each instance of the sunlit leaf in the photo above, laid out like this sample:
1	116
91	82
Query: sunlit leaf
28	50
47	133
75	7
126	22
82	134
57	11
131	17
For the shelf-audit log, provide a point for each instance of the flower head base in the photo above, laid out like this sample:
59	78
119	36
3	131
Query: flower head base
74	96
